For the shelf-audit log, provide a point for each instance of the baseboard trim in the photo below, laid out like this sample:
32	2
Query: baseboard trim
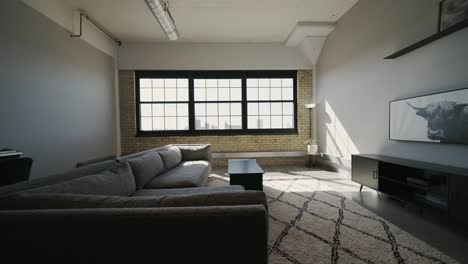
335	164
246	155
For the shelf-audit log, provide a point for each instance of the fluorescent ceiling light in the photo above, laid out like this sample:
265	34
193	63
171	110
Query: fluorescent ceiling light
160	10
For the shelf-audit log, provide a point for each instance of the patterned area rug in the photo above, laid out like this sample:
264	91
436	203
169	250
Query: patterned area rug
312	221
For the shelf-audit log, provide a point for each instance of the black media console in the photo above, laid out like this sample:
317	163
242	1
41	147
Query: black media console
431	185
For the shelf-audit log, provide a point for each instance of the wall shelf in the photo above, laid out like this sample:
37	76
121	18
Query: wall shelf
427	40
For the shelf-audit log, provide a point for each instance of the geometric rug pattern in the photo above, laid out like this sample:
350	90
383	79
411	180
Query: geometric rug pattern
312	221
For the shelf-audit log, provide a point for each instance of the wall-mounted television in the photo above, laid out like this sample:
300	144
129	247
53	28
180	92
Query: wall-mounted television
437	118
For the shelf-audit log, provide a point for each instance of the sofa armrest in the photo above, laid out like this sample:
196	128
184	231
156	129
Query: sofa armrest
195	151
226	234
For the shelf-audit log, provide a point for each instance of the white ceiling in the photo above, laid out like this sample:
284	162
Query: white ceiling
213	20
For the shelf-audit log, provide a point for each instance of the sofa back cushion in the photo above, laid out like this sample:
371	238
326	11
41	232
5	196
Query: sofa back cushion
139	154
195	152
146	167
53	179
171	157
117	180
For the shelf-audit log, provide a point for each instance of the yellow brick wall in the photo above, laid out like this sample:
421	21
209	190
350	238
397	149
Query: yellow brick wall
239	143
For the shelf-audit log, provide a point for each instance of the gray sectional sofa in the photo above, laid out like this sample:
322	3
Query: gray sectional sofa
148	206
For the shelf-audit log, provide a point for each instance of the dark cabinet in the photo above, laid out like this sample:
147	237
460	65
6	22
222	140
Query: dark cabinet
458	197
435	186
365	171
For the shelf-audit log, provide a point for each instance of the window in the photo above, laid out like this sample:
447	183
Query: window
215	102
218	104
270	103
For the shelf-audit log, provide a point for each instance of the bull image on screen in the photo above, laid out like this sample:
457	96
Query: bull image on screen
439	118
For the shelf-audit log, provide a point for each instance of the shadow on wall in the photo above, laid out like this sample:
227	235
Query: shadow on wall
335	141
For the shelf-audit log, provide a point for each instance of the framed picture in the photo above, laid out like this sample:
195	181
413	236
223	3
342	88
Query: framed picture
437	118
452	12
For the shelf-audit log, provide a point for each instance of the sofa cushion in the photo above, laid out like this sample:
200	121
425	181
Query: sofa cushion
183	191
187	174
195	152
75	201
31	201
171	157
138	154
117	180
53	179
146	167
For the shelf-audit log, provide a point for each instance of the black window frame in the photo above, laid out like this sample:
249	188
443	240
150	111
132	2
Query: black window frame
191	75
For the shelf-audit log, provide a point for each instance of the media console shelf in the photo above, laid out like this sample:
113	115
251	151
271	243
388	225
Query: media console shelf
432	185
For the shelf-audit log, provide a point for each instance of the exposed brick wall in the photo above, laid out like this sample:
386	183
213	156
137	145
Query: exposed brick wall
240	143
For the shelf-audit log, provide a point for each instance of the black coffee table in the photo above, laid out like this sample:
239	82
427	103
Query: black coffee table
247	173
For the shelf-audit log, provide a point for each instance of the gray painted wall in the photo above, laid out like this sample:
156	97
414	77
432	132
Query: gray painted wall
56	93
355	84
210	56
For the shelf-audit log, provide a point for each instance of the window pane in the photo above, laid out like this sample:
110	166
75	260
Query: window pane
199	83
170	83
145	95
182	123
171	95
170	110
236	83
145	110
236	109
264	83
211	94
236	94
158	123
252	122
252	83
170	123
287	94
200	109
276	109
224	109
146	124
224	122
264	94
264	122
264	108
210	83
236	122
158	95
182	110
200	94
276	122
275	93
287	82
288	109
158	109
212	122
252	94
288	122
212	109
252	109
182	83
223	83
224	94
158	83
275	83
182	94
200	122
145	83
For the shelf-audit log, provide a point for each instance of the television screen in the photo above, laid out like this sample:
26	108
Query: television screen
438	118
